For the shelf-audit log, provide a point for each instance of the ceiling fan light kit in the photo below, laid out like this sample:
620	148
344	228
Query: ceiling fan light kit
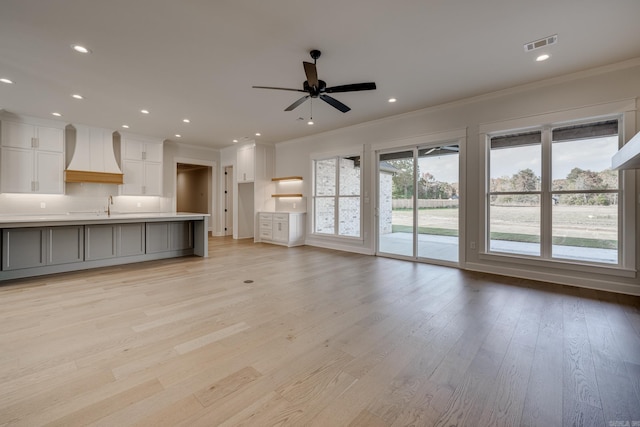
316	88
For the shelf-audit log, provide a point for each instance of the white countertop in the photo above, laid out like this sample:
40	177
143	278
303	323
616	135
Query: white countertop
11	221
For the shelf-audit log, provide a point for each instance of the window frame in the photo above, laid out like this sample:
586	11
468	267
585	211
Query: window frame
337	196
624	112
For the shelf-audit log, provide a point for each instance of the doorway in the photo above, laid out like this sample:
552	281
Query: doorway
418	203
193	188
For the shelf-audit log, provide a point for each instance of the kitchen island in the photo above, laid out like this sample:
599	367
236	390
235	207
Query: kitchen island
34	245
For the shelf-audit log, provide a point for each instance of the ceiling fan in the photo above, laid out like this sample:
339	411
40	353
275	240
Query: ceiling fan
315	88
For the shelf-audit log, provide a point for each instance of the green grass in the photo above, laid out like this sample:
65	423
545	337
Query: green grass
578	242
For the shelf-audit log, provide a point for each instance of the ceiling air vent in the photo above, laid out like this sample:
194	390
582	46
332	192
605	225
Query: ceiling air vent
528	47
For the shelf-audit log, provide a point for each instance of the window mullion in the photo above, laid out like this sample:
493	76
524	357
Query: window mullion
415	202
336	204
546	217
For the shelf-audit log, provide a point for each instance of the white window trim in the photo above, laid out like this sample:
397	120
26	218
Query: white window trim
335	155
625	110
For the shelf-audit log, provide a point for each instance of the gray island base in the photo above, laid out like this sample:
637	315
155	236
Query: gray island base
39	245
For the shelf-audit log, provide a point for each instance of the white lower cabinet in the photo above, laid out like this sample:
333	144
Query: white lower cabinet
282	228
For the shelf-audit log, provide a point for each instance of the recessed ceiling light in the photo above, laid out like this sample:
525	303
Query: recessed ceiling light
234	141
186	120
7	81
77	96
80	49
56	114
125	126
543	57
258	134
144	111
310	122
392	100
178	135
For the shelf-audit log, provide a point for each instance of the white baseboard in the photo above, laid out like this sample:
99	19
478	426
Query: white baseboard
339	247
601	285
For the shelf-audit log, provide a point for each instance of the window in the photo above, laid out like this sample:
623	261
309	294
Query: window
552	193
336	198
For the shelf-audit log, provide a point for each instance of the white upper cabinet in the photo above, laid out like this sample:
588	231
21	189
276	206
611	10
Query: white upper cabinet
31	157
25	135
141	165
246	163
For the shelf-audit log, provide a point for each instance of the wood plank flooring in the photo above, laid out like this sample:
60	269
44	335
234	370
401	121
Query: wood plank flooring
262	335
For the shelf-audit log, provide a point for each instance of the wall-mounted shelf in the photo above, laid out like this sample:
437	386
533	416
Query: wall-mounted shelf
287	178
287	195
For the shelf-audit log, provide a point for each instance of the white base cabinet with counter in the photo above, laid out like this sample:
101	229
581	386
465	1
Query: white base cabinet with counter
281	228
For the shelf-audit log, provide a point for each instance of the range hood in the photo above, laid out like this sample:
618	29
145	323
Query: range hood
628	157
93	156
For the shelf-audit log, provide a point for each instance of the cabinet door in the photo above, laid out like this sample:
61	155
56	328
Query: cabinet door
66	244
131	239
16	170
50	139
153	152
132	149
99	241
49	172
280	231
152	179
133	171
181	235
246	161
23	248
158	237
19	135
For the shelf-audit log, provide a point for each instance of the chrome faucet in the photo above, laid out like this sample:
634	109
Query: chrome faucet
109	203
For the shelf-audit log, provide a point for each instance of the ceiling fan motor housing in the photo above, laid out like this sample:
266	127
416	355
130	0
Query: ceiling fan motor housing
314	91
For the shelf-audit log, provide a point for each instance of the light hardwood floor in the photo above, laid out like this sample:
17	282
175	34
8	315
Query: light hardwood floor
319	338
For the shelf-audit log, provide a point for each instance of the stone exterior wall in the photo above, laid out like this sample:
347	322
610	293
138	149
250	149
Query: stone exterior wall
385	202
349	207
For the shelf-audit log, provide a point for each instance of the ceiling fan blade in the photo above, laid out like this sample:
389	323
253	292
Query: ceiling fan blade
335	103
277	88
351	88
312	73
295	104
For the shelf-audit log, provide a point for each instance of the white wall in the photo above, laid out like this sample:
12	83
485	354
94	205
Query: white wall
606	84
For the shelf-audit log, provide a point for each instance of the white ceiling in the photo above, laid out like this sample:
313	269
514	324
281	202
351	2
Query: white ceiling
198	59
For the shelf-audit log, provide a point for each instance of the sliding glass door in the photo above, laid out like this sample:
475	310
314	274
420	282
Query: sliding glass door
418	203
